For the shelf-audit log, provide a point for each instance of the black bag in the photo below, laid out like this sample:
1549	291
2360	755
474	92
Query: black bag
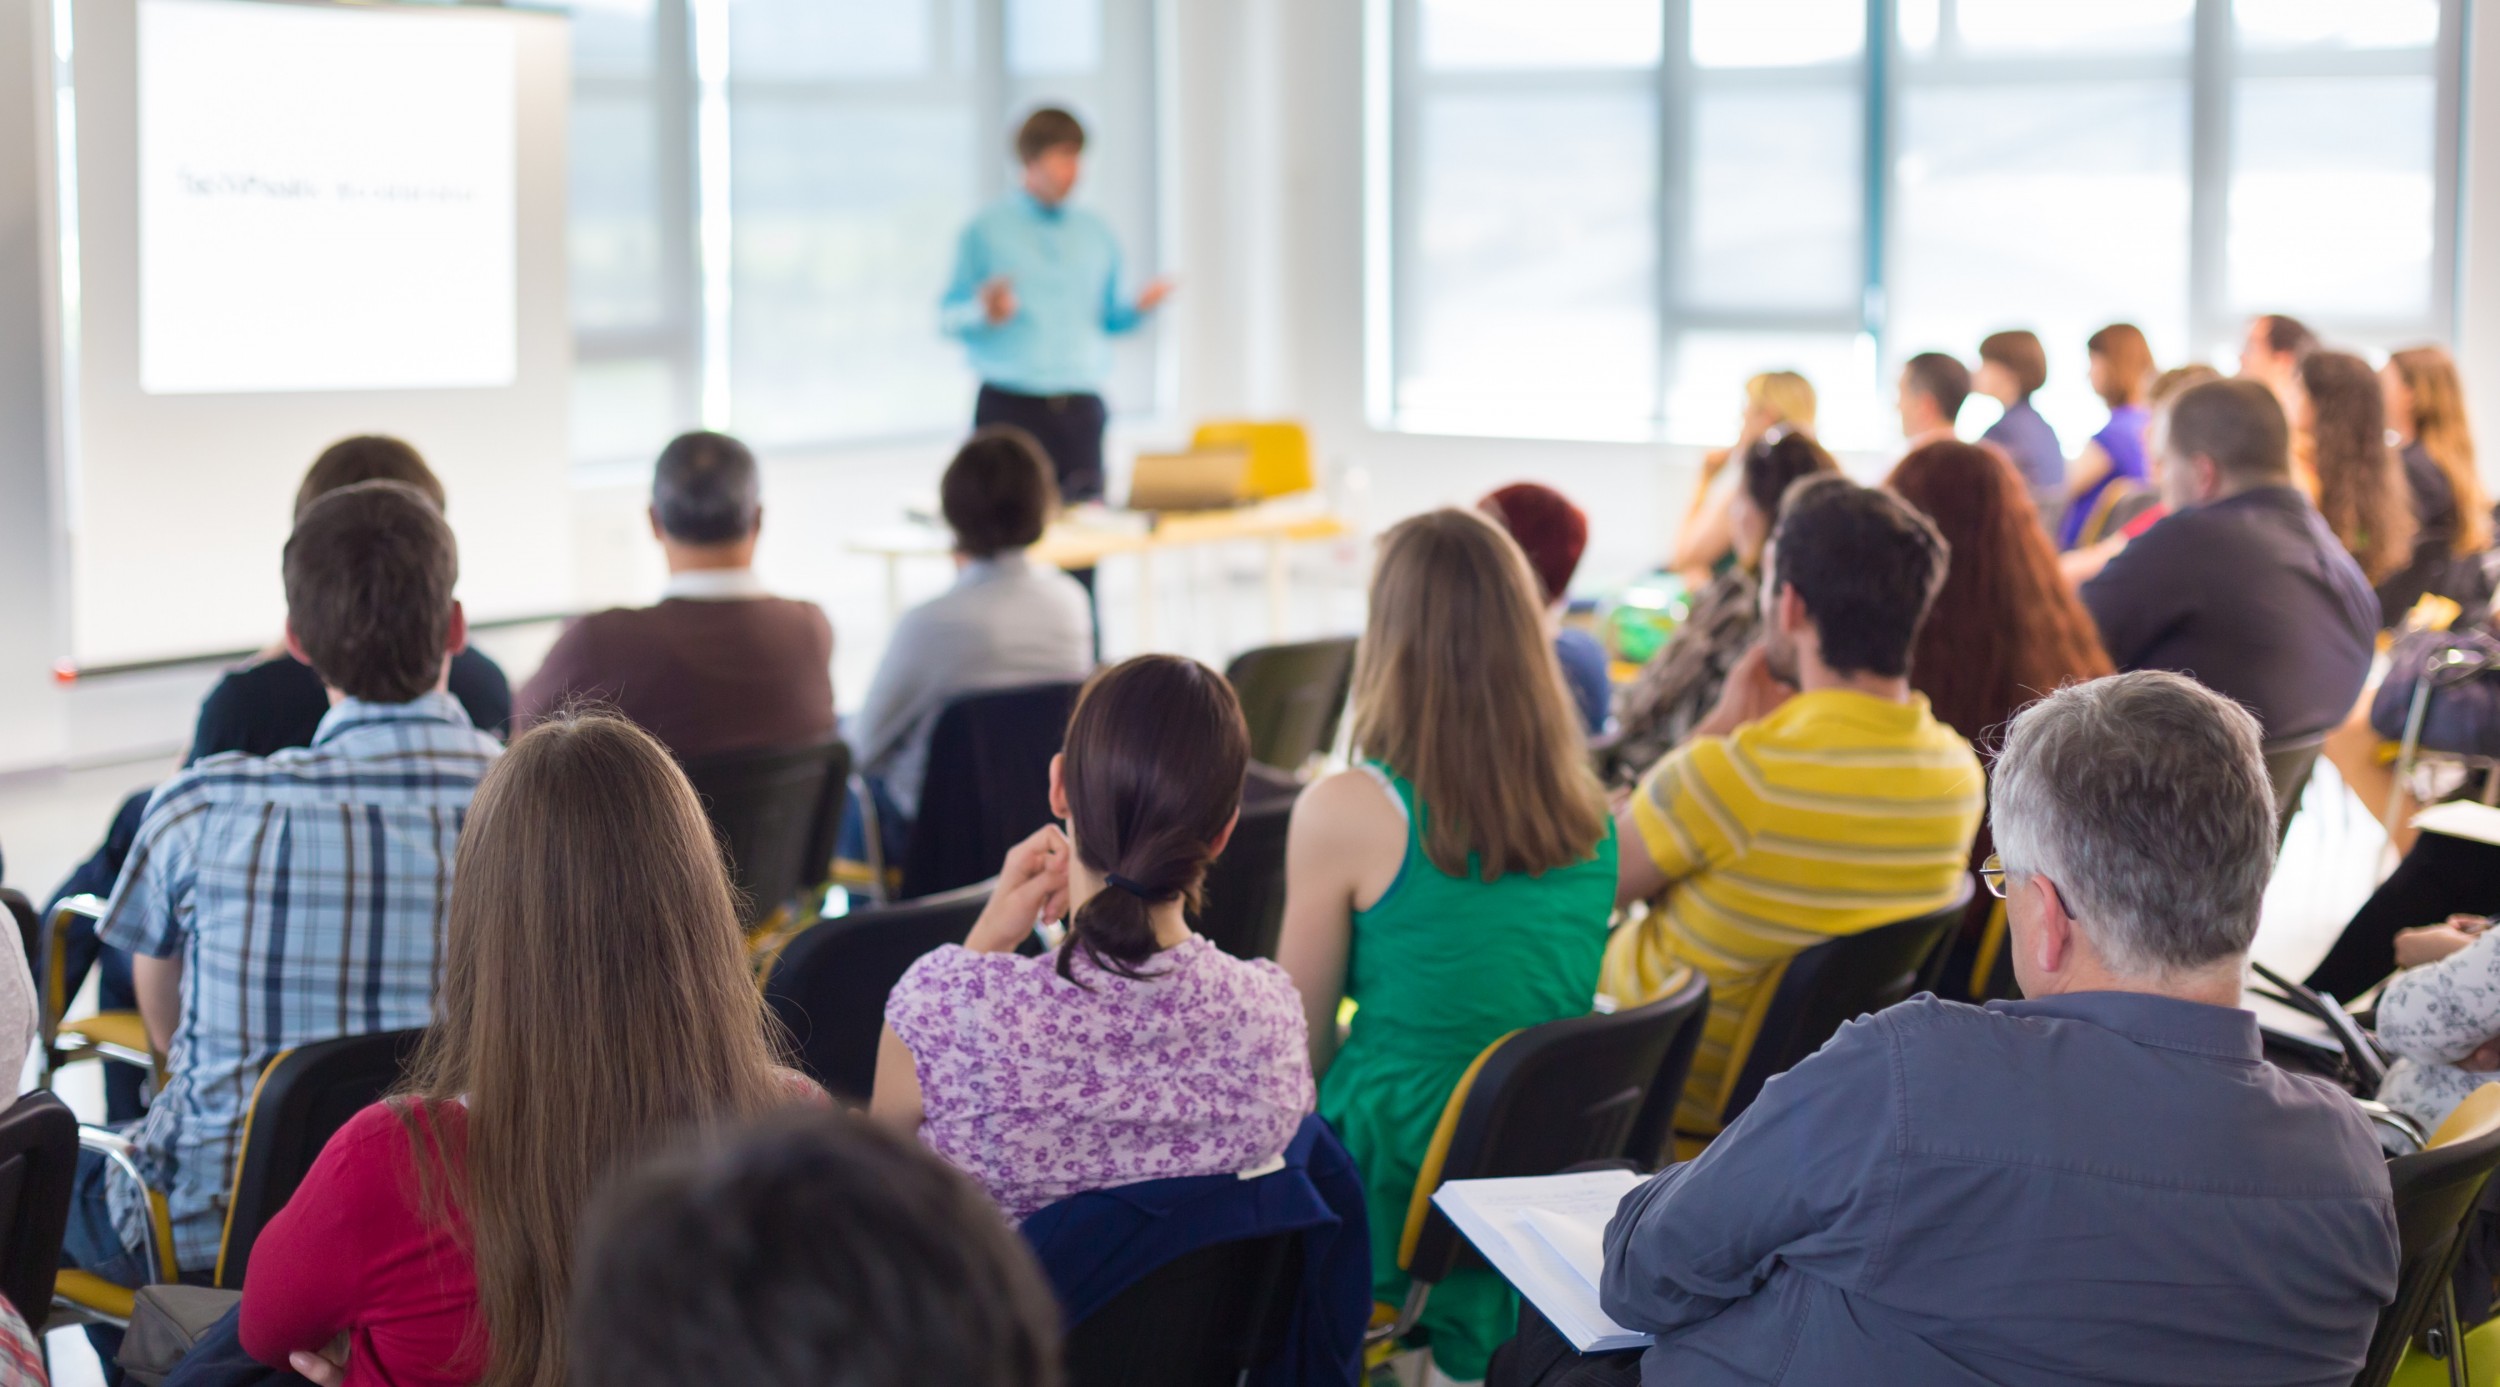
2462	716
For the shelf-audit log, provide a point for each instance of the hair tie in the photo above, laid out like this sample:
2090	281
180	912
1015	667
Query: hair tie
1140	892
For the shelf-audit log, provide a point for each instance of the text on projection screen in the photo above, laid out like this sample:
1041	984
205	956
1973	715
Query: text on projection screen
325	199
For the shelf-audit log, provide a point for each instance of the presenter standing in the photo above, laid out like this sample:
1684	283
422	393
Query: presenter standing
1036	299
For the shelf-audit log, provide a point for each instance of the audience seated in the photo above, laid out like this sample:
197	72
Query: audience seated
720	664
1455	884
298	897
2131	515
277	701
1680	684
2012	368
2112	463
2103	1183
2439	877
2426	420
2272	352
811	1249
1776	402
1006	621
2243	587
1166	1056
2441	1016
1553	533
595	1001
2362	492
1822	797
1929	398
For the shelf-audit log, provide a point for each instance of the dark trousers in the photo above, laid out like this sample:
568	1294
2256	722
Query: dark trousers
2442	876
1541	1357
1069	428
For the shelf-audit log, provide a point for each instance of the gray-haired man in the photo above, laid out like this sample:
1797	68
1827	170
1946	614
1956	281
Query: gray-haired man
2105	1182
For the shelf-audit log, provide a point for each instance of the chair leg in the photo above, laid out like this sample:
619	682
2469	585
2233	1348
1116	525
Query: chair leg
2456	1331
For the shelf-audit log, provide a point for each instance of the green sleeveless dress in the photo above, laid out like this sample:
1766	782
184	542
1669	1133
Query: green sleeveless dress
1439	968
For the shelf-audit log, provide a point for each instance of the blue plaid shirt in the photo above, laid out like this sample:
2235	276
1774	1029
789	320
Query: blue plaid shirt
304	893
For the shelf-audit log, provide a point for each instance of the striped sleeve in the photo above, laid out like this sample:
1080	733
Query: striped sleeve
1685	823
144	916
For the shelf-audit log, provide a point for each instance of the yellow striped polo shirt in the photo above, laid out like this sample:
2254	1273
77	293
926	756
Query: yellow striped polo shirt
1837	813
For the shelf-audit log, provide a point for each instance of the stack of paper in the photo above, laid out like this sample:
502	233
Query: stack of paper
2461	819
1546	1235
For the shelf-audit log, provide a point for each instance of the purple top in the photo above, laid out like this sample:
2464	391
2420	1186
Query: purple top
1041	1088
2122	441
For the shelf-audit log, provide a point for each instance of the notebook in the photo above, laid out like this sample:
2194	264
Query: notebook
1546	1235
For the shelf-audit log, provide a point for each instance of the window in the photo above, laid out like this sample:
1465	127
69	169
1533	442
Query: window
1601	219
767	195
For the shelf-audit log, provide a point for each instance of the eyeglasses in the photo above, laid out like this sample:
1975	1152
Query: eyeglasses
1992	875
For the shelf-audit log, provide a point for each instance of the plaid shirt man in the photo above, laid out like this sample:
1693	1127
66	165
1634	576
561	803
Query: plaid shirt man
305	895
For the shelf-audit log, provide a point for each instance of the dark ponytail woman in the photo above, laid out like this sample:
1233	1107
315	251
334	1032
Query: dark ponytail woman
1136	1050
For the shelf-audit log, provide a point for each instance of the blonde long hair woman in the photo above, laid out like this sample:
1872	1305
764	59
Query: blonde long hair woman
1774	400
1456	884
595	1005
2426	417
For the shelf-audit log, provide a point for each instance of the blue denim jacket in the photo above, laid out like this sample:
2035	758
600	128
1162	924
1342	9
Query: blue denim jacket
2100	1187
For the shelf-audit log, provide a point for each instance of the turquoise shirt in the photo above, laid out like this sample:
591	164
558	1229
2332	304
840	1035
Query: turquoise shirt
1065	269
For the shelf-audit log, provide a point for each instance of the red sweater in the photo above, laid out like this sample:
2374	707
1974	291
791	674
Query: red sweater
353	1253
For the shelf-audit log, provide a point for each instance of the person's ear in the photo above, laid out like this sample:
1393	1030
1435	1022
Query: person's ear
2208	477
653	514
757	529
2052	929
458	638
1058	786
1216	848
295	647
1793	617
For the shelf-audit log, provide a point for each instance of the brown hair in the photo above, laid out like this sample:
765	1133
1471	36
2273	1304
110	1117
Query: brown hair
2438	424
1774	465
1047	129
1456	688
1941	377
2286	335
2237	423
1156	755
369	457
704	489
2005	628
1865	564
595	1003
998	493
369	576
2170	384
2361	482
2130	360
2020	352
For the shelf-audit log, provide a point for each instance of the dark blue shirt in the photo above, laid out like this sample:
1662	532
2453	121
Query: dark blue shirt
2251	596
2027	439
1585	675
2102	1187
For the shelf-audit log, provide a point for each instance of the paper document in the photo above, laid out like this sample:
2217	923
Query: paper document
2461	818
1546	1235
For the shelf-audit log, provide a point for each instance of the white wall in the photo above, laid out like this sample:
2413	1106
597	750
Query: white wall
2478	281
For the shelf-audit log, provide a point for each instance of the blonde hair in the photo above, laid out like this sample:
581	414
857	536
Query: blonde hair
1456	688
1786	394
2438	424
595	1003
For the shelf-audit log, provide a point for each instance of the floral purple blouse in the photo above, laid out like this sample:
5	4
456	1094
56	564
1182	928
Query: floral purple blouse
1041	1088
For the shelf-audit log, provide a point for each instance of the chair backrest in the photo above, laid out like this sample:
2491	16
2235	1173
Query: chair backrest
38	1164
1245	889
987	785
1293	696
1204	1319
829	986
778	813
2436	1190
2288	764
1834	983
1551	1097
303	1098
1280	452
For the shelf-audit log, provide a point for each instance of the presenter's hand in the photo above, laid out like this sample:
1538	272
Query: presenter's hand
998	300
1152	296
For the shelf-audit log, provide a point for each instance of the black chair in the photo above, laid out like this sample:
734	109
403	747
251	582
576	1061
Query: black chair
1205	1319
779	814
987	786
2436	1191
1834	983
1541	1101
829	986
1245	889
2289	762
304	1097
1292	696
38	1164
